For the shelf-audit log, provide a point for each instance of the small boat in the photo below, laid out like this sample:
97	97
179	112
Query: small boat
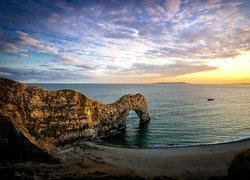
210	99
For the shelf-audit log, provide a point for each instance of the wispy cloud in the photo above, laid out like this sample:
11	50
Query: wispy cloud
9	48
23	55
170	70
27	40
168	37
42	75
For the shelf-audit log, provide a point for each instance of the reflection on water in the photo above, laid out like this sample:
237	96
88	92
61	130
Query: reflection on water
140	136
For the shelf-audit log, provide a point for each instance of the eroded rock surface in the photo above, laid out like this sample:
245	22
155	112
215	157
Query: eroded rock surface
48	118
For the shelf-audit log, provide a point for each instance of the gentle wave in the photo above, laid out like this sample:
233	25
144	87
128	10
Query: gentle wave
235	139
180	115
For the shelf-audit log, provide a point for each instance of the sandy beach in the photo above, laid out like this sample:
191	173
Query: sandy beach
125	89
91	160
201	162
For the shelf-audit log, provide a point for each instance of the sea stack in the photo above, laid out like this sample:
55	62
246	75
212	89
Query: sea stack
48	118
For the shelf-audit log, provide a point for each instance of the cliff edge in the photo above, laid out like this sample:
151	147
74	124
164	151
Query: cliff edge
33	117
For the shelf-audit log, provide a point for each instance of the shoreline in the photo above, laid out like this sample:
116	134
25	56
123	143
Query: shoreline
234	140
201	162
89	160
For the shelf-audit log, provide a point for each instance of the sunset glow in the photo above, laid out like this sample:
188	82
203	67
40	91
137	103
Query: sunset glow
125	41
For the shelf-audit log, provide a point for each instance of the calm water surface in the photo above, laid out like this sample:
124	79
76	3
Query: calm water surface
180	113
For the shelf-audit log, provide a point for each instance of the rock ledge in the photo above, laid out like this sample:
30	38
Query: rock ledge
47	118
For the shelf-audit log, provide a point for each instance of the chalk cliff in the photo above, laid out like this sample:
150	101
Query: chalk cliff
49	118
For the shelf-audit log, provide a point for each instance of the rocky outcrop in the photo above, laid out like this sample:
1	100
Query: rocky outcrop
48	118
113	116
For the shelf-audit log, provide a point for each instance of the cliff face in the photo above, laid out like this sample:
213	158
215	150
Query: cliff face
48	118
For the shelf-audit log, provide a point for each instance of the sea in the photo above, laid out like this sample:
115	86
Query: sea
180	114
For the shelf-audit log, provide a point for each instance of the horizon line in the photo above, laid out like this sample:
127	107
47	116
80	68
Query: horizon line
157	83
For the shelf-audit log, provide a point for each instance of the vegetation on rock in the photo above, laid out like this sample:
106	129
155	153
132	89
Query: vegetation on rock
48	118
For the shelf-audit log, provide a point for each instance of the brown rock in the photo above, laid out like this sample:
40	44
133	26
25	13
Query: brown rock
57	116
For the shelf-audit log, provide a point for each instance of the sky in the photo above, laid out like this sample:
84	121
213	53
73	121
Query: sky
117	41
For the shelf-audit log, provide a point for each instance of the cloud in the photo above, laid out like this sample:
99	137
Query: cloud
27	40
111	37
162	12
191	29
9	48
120	35
205	30
23	55
43	75
87	67
170	70
62	5
171	7
13	49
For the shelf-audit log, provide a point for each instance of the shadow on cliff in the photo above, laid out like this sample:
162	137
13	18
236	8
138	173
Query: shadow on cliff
16	147
131	136
34	120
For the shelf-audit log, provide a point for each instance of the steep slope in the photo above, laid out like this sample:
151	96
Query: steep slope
46	119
